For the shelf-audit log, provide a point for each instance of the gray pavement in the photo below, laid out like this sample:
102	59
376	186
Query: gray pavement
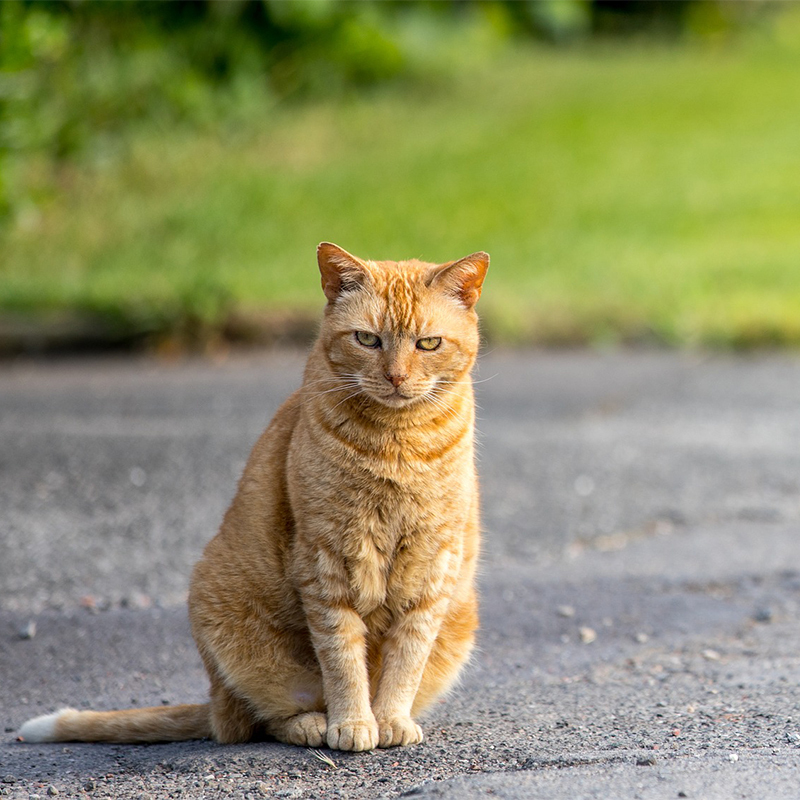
640	582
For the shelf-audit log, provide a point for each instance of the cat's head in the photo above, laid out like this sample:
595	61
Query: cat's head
402	331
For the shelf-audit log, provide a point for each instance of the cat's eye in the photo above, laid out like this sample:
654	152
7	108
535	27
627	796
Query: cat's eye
368	339
429	343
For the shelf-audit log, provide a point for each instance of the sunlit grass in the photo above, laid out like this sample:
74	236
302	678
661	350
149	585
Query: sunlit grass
624	194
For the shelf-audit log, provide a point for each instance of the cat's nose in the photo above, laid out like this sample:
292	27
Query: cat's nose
395	380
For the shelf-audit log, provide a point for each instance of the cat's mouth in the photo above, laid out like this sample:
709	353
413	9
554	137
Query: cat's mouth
397	398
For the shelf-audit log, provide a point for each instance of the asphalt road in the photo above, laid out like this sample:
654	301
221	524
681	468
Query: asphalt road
640	586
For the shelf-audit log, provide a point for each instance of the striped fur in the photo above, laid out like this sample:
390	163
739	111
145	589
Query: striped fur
337	600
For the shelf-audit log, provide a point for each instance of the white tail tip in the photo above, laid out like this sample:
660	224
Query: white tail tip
42	729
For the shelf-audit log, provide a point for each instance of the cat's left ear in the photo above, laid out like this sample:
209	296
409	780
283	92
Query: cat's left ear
341	272
463	278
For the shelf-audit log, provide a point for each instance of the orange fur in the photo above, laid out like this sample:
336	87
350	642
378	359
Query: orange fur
337	600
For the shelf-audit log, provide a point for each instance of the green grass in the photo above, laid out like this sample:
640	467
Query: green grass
635	193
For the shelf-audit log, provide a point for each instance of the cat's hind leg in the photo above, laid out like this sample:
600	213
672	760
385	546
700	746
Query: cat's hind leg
274	694
294	716
232	719
296	713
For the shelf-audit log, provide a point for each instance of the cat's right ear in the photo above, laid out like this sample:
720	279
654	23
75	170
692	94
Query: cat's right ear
341	272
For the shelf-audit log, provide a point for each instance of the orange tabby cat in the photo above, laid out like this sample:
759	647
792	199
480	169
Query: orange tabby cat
337	600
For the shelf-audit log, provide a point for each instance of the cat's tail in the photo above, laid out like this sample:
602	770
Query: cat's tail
157	724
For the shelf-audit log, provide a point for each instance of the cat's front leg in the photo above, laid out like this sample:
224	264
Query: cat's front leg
339	637
406	649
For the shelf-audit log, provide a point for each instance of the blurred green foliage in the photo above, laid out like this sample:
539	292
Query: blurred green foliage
167	165
74	71
78	76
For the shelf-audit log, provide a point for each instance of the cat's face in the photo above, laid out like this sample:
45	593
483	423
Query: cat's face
400	332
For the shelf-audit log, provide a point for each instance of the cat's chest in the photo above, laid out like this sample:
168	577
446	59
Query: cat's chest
399	549
400	582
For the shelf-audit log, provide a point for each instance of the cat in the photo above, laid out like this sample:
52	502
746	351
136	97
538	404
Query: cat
338	599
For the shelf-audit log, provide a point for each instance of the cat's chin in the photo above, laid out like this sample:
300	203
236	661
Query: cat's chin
396	400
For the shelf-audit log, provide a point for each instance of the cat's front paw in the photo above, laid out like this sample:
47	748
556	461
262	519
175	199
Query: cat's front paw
359	734
398	731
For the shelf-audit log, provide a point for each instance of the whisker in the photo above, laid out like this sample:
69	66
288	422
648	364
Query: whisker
340	388
333	377
349	397
336	383
438	402
482	380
